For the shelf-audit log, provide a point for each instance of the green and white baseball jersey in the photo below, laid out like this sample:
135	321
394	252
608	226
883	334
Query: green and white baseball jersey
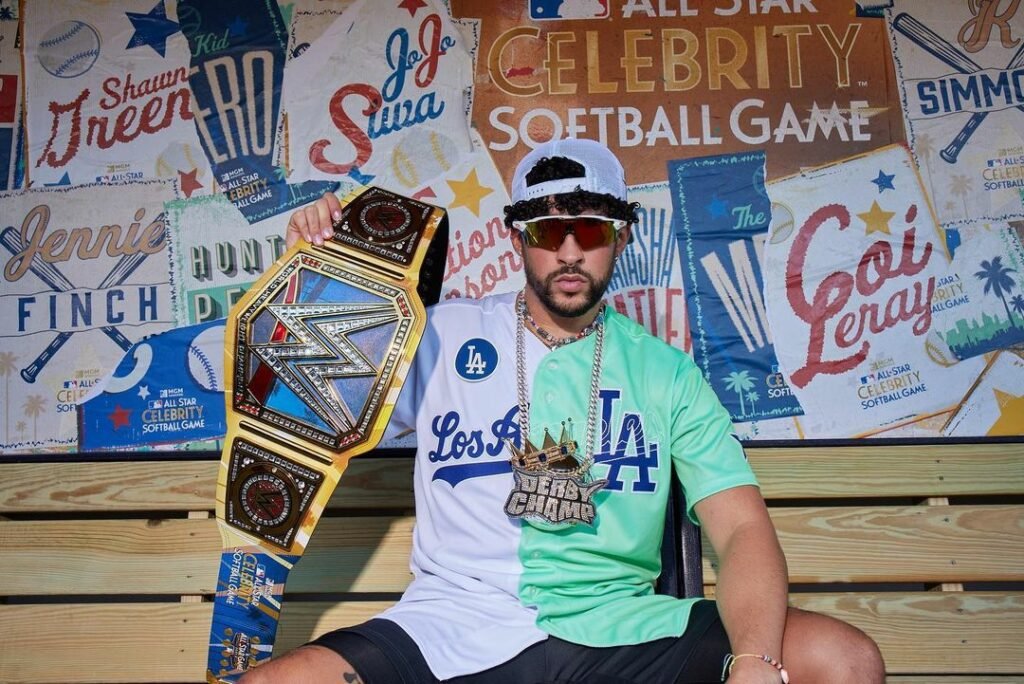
486	585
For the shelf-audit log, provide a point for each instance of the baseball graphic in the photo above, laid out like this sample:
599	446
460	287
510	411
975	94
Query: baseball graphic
206	358
417	159
69	49
179	156
782	223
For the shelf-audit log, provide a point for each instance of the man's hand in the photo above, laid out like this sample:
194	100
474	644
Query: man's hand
314	222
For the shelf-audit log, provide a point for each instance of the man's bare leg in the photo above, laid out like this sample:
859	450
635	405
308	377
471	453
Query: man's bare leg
819	648
305	665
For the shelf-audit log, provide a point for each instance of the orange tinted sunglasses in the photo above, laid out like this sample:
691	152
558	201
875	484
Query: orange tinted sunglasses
548	232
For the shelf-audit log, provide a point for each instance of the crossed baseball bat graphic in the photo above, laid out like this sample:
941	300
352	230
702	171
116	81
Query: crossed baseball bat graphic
939	47
53	277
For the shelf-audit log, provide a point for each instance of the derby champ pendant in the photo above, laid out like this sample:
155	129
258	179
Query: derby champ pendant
316	353
551	484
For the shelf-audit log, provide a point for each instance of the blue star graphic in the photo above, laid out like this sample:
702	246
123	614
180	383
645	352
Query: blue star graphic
238	27
152	29
361	178
717	208
884	181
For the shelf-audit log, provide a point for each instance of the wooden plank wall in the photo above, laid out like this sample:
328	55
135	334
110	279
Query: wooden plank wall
109	567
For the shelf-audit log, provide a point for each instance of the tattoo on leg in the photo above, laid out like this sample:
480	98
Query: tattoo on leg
352	678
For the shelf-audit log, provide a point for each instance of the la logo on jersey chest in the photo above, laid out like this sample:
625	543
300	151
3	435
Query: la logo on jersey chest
476	359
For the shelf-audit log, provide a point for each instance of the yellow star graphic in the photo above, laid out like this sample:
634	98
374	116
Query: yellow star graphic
468	193
1011	414
876	220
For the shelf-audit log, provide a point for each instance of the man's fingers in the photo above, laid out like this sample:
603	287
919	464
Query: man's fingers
296	229
312	228
314	222
335	206
324	220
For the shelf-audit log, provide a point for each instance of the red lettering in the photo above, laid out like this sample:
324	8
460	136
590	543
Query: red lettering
129	125
833	293
647	305
477	242
670	331
829	298
491	275
355	135
427	69
110	88
74	135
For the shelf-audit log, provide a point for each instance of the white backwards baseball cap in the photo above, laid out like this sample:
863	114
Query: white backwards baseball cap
602	171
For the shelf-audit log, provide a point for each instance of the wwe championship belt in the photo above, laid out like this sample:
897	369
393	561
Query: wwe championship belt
316	353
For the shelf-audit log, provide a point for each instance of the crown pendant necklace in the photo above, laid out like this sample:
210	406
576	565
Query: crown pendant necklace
553	483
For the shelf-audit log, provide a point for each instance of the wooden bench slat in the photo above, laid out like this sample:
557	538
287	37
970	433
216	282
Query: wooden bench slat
859	471
151	642
179	556
951	633
176	486
954	632
797	472
898	544
366	554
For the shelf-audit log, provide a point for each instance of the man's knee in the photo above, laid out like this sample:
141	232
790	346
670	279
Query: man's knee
307	664
820	648
866	658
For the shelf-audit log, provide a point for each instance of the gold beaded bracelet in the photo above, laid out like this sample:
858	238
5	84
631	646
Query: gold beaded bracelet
731	659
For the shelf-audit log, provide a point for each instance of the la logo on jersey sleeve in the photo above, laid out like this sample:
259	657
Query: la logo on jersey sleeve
476	360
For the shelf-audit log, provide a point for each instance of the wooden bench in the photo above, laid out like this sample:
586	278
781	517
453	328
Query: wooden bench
107	568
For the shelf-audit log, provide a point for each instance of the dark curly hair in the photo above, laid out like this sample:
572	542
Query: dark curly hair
576	202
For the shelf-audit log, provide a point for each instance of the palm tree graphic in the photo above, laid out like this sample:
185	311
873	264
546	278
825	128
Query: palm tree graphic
740	382
924	146
7	361
753	397
33	407
997	279
1018	304
961	187
20	427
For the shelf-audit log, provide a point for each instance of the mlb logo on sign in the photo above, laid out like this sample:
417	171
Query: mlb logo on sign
568	9
476	360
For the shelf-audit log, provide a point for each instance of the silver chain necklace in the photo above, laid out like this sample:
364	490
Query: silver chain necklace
595	380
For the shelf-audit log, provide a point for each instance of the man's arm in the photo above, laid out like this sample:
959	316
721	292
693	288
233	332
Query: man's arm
753	584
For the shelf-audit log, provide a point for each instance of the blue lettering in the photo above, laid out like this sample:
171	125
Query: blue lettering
929	104
23	312
442	427
399	63
644	456
112	317
999	87
147	303
395	117
81	306
454	443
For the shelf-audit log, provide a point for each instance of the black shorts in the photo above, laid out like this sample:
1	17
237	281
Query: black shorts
382	653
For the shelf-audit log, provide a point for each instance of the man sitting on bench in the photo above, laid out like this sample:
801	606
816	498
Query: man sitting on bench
549	429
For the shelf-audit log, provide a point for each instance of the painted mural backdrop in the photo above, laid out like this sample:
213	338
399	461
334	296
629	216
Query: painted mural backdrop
85	277
831	192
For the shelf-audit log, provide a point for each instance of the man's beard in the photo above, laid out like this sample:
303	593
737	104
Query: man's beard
545	290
